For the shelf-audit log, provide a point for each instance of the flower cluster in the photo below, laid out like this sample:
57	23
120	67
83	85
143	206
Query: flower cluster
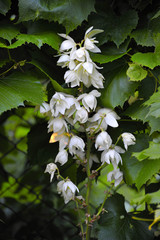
77	59
68	113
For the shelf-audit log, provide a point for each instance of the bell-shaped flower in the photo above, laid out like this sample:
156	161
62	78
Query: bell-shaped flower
67	44
81	115
64	60
89	100
72	78
76	143
57	125
103	141
106	117
67	189
116	175
45	109
62	157
128	139
89	43
51	168
111	156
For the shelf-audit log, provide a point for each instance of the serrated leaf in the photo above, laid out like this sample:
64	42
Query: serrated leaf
143	37
152	152
116	224
50	38
100	58
116	27
8	31
135	72
119	86
69	13
154	103
5	6
135	171
17	88
149	59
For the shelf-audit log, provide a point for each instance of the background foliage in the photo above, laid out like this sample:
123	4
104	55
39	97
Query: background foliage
130	44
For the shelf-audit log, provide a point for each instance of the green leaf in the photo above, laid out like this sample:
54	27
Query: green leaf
156	15
100	58
150	198
69	13
154	103
5	6
116	27
8	31
135	171
143	37
149	59
152	152
50	38
136	72
116	224
17	88
117	84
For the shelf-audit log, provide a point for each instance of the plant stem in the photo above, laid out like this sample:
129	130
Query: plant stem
89	184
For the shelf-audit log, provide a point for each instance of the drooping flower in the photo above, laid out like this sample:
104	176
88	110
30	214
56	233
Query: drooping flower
89	100
76	143
63	141
116	175
67	44
45	108
89	43
58	125
67	189
62	157
128	139
103	141
81	115
111	156
106	117
51	168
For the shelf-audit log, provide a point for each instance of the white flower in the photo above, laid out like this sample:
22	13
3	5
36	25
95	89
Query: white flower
88	74
71	77
51	168
81	115
60	102
57	125
89	100
103	141
67	189
109	118
62	157
76	143
67	44
93	158
45	108
111	156
89	41
128	139
116	175
79	54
